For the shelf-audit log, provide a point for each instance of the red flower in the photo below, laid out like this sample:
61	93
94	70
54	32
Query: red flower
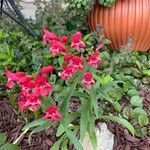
26	82
76	63
88	80
66	73
52	113
13	77
56	48
100	46
77	42
67	58
42	87
94	60
49	36
28	101
46	70
64	39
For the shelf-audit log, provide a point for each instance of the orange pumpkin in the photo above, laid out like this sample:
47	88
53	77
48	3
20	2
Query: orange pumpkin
126	18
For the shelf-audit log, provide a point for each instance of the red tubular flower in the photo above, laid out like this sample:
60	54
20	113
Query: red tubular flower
100	46
28	101
66	73
76	63
64	39
49	36
56	48
67	58
52	113
13	77
42	87
94	60
46	70
77	42
88	80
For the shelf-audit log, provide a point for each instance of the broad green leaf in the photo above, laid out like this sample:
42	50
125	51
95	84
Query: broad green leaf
147	72
3	56
2	138
121	121
106	79
84	119
139	111
35	123
136	101
10	147
133	92
143	120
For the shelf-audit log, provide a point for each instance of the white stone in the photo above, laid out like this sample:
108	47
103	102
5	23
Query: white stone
105	139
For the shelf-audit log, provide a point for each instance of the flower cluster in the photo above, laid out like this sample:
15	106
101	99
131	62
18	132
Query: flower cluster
33	88
73	63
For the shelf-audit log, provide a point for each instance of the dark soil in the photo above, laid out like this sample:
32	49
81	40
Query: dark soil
11	124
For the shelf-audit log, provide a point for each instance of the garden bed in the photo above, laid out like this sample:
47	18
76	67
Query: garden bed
11	124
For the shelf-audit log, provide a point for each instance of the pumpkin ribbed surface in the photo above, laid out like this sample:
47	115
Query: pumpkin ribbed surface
126	18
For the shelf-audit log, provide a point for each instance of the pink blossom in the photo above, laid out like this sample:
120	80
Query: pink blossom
42	87
64	39
52	113
28	101
100	46
66	73
46	70
77	42
76	63
56	48
12	77
67	58
88	80
49	36
94	60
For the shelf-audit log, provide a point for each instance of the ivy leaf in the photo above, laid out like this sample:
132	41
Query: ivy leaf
136	101
9	147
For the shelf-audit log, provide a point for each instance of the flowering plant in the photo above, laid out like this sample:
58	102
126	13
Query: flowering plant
81	79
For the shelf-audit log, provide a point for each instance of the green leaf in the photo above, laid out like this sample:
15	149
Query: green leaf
91	131
84	119
57	144
10	147
66	99
35	123
2	138
147	72
143	120
133	92
121	121
74	140
3	56
106	79
136	101
139	111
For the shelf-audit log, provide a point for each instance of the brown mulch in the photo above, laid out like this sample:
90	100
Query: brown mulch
11	124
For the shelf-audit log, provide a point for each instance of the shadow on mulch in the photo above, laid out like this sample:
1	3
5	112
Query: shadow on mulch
11	125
